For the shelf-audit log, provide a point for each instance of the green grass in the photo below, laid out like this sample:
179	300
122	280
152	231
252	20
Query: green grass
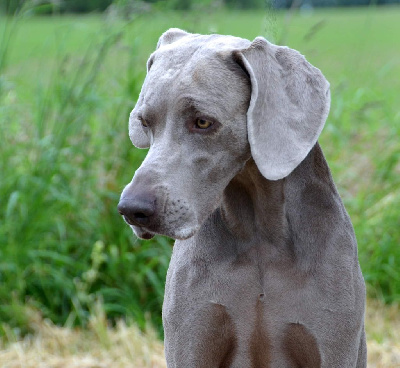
66	88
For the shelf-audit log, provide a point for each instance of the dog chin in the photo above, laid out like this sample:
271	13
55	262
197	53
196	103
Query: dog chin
184	233
142	233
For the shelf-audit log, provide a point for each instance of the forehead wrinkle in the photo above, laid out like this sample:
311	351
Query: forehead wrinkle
190	103
170	60
202	107
220	88
185	51
203	78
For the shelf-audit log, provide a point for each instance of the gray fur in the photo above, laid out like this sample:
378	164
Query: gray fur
264	271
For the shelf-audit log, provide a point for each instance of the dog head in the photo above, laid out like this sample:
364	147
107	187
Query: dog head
207	105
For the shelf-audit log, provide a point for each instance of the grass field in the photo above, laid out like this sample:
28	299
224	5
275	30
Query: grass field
66	88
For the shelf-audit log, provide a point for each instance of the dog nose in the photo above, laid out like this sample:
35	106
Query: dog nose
138	210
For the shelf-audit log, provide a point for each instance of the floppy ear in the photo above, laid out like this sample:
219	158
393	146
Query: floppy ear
170	36
136	132
289	104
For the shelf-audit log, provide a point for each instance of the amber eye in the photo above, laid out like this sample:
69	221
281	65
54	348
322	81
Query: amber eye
203	124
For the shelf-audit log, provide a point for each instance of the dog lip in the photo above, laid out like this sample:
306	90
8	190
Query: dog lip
126	219
146	236
142	233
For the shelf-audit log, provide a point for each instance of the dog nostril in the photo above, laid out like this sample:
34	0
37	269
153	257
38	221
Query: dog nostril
123	208
141	215
137	211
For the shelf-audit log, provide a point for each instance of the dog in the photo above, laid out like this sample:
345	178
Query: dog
264	271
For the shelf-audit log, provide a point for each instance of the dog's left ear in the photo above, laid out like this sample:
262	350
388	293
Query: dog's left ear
289	104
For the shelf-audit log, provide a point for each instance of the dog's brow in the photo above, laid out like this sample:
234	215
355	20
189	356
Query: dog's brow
188	101
191	103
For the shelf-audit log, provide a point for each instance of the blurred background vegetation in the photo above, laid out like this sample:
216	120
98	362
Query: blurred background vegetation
67	85
85	6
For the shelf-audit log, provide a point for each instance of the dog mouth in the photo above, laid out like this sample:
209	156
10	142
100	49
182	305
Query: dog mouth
180	224
181	234
142	233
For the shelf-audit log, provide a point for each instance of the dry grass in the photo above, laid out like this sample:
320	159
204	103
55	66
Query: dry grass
123	346
383	334
97	347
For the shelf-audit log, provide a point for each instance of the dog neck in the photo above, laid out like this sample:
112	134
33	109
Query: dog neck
255	208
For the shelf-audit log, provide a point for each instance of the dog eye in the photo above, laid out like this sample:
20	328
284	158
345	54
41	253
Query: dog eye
203	124
144	122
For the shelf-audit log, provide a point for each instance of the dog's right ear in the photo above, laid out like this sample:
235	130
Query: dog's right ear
137	134
170	36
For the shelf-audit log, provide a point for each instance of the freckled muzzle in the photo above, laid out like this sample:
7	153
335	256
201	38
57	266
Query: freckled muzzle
149	209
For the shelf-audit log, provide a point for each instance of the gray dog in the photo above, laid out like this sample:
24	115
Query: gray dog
264	272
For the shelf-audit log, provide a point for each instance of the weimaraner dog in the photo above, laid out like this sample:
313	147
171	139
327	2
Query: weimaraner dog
264	271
